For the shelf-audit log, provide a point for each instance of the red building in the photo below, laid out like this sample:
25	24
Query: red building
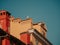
38	34
5	24
5	36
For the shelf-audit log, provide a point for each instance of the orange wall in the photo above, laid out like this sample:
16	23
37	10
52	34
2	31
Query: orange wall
16	28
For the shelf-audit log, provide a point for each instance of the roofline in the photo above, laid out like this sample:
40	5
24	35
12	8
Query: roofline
41	37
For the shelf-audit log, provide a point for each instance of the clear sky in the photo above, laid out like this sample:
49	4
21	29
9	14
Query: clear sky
40	10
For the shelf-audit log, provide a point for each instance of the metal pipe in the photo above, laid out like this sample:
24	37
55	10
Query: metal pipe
2	37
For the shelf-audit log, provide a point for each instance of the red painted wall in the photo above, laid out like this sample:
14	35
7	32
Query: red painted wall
25	37
5	24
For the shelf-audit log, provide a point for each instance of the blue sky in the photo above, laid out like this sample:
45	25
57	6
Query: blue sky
39	10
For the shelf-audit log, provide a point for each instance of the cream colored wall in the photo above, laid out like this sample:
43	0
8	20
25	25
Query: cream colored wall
17	27
33	40
39	29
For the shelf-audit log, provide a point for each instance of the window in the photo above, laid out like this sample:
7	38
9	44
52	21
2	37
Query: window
43	33
8	13
36	42
0	13
3	13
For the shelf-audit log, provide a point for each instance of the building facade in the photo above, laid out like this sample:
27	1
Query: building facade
24	30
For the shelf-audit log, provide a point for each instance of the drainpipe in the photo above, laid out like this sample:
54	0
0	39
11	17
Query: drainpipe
2	37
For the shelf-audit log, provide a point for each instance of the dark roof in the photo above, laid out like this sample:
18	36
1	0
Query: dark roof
11	38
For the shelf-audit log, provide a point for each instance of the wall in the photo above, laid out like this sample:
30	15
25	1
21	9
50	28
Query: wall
18	26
